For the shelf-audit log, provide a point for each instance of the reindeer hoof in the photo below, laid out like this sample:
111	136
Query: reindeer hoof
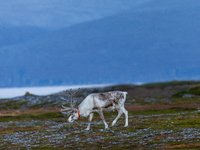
103	130
126	126
106	128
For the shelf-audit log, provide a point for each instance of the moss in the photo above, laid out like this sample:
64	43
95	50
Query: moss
191	100
133	130
179	94
183	145
18	147
43	148
42	105
123	87
128	147
164	111
15	105
171	83
110	139
192	91
45	116
22	103
12	104
190	122
12	107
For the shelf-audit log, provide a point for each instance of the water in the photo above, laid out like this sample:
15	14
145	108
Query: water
19	91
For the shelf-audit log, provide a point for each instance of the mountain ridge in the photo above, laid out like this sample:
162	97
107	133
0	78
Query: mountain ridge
137	45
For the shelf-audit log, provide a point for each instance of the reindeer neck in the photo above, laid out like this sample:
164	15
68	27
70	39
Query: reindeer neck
83	111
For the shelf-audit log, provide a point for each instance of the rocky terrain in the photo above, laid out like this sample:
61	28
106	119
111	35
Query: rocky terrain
155	121
148	93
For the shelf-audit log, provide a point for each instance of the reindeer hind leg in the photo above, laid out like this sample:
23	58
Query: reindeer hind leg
126	116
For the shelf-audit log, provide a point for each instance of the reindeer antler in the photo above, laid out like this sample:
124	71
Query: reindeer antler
69	93
72	97
72	102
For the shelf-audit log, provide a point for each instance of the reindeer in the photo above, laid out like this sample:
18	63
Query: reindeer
95	102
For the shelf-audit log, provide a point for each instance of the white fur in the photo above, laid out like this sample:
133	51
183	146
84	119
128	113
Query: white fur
86	108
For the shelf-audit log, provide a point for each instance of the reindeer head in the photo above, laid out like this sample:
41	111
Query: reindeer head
72	111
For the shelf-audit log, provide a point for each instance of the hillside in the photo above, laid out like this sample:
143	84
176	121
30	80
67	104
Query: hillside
158	93
164	121
156	41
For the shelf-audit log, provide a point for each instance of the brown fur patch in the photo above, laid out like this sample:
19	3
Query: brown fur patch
109	104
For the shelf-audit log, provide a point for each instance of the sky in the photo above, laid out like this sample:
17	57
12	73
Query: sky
54	14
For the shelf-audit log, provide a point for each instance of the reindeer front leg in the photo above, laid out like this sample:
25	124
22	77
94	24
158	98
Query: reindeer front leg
118	116
90	120
102	117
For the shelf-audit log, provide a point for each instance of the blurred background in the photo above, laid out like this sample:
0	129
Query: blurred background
56	43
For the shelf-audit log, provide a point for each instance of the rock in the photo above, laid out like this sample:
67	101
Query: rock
188	95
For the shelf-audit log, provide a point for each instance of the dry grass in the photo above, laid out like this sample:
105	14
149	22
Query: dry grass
181	146
27	111
128	107
22	129
160	107
167	91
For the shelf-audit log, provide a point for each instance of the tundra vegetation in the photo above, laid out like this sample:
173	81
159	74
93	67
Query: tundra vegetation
161	116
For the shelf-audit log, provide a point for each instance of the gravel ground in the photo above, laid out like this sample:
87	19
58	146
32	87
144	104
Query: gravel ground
144	131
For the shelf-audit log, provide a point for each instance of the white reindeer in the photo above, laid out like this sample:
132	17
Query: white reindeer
96	102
